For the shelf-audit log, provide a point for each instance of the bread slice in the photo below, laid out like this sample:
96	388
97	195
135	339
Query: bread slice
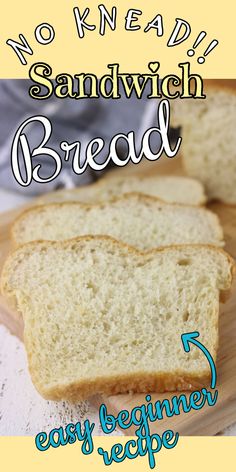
208	146
167	188
101	317
138	220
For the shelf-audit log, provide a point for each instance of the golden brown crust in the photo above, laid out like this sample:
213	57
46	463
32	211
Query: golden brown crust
132	249
228	85
142	382
218	200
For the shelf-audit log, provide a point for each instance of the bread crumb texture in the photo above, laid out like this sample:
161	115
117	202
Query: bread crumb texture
209	140
102	317
171	189
138	220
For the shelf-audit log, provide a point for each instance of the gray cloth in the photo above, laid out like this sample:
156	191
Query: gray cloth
72	120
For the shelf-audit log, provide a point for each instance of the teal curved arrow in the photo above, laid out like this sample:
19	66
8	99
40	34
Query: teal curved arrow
188	338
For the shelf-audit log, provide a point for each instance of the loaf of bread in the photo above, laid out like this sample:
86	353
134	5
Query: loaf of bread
139	220
167	188
101	317
208	146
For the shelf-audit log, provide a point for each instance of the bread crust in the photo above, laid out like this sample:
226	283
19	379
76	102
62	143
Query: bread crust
126	196
100	183
228	85
141	382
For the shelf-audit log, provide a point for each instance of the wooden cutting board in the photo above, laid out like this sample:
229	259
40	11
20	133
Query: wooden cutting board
208	420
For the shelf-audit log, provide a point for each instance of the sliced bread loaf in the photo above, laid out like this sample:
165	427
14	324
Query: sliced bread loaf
167	188
208	146
101	317
138	220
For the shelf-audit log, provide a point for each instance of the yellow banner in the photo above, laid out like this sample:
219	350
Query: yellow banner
74	37
199	454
